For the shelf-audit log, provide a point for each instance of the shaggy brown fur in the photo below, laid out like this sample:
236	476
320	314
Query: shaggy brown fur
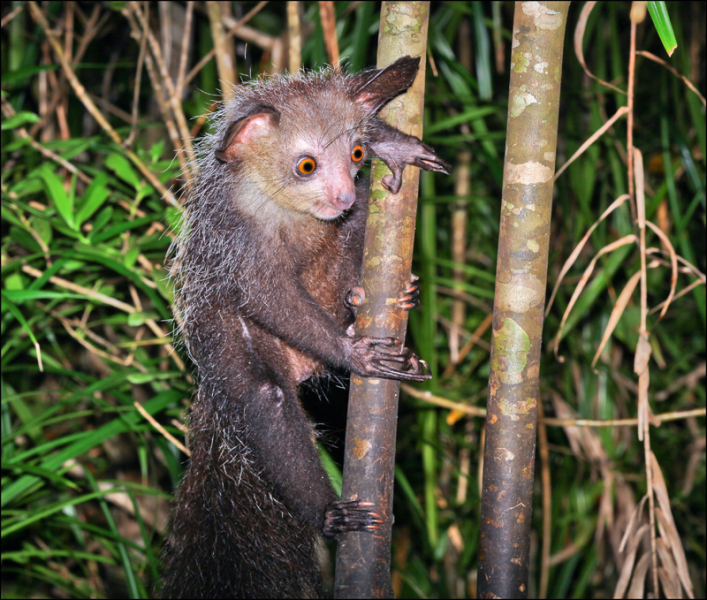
265	262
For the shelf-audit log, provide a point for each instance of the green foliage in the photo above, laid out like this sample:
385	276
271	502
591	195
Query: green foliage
74	362
86	302
661	20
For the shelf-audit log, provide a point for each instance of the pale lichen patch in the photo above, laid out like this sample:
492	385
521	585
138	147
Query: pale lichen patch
516	42
544	17
541	67
520	100
520	61
528	173
520	407
522	292
511	347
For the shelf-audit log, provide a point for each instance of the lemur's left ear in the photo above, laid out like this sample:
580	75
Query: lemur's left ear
374	89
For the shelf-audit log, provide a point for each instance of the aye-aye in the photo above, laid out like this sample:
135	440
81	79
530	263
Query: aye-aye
267	273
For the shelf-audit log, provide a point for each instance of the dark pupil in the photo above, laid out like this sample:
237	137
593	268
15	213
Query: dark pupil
307	166
357	153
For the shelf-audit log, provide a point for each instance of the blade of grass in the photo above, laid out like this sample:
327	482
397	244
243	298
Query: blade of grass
661	19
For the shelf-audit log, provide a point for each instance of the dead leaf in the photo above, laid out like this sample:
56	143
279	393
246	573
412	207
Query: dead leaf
673	264
635	515
668	524
579	36
616	312
629	239
627	568
595	136
638	581
684	79
575	253
643	353
666	572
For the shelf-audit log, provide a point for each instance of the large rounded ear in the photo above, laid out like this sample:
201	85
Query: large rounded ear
245	131
374	89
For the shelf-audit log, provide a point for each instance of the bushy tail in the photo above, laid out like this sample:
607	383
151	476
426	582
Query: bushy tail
230	536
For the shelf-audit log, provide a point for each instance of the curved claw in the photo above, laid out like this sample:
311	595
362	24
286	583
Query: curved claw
416	375
415	369
384	342
411	297
409	300
396	358
340	517
408	304
368	357
429	161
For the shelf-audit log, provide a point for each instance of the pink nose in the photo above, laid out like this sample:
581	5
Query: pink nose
343	199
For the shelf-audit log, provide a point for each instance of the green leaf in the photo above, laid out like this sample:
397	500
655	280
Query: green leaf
56	192
95	254
156	151
48	511
103	217
161	278
62	227
19	119
13	282
483	52
93	198
469	269
474	290
7	304
174	219
131	257
23	238
93	438
43	228
44	474
68	149
23	556
26	187
136	319
661	20
21	74
22	295
474	113
142	378
331	468
121	166
120	228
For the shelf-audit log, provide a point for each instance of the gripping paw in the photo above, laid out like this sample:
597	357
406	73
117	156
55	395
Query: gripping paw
369	358
397	149
340	517
421	155
408	300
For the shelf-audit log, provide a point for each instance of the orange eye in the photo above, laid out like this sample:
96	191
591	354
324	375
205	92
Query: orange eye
307	166
357	153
